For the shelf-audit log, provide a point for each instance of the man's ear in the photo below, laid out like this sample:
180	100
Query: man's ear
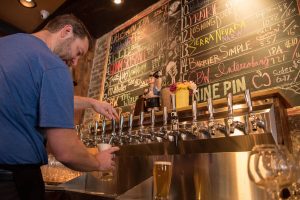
66	32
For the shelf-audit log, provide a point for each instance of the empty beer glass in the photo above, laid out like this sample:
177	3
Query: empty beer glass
162	175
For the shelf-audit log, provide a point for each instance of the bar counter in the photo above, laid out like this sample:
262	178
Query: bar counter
198	173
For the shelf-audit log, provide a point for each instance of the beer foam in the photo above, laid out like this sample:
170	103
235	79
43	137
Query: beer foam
162	163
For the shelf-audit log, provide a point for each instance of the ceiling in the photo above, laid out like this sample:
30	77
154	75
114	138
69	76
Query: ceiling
100	16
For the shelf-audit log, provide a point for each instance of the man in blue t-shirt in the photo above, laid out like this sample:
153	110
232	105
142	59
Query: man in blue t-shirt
37	102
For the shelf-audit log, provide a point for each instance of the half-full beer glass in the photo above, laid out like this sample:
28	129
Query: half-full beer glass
162	174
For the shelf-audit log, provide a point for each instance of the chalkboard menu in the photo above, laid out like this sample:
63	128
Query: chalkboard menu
222	45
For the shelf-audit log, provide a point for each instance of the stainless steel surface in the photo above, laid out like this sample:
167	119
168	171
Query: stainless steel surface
205	168
228	118
213	176
209	176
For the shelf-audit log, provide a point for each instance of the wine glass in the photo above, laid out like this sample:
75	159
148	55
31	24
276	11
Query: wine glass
295	139
271	167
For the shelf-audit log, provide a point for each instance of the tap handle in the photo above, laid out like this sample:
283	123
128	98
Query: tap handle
103	127
230	104
248	100
78	128
121	122
173	98
96	127
210	108
130	121
141	118
165	116
90	128
113	123
152	117
194	110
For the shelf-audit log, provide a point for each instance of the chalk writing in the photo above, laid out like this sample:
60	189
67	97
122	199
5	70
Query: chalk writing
261	80
239	66
221	89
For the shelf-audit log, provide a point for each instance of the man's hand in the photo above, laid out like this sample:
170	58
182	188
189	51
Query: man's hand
105	158
105	109
100	107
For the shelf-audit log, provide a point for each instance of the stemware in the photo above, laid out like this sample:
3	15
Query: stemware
271	167
295	139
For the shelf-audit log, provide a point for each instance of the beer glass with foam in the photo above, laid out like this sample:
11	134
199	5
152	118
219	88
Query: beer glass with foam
162	175
107	174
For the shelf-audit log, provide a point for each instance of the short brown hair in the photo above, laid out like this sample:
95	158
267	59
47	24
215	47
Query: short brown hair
79	29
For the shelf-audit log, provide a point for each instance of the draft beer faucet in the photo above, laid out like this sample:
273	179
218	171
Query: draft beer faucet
162	134
122	136
113	137
211	120
230	119
103	131
174	135
152	121
132	138
251	117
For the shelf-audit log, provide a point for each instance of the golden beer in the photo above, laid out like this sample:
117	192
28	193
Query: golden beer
162	174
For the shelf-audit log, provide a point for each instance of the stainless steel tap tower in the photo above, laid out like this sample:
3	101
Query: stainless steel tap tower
224	132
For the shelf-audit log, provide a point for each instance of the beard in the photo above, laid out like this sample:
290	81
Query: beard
63	50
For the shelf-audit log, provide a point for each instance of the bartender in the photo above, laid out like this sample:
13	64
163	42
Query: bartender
37	105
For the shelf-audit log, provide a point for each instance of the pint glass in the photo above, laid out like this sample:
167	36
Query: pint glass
106	175
162	174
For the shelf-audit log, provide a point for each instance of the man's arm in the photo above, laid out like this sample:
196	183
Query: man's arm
70	151
100	107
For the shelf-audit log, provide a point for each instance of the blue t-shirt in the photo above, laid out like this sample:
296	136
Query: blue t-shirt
36	91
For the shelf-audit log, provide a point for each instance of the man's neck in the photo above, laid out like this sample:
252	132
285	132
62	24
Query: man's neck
46	37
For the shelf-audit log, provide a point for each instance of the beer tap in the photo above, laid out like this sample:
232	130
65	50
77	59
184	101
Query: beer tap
103	131
141	128
174	135
152	131
142	131
230	120
162	134
130	121
212	125
131	137
198	129
122	136
194	121
113	137
152	121
90	128
254	120
96	139
251	117
186	134
165	120
230	123
211	120
79	129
